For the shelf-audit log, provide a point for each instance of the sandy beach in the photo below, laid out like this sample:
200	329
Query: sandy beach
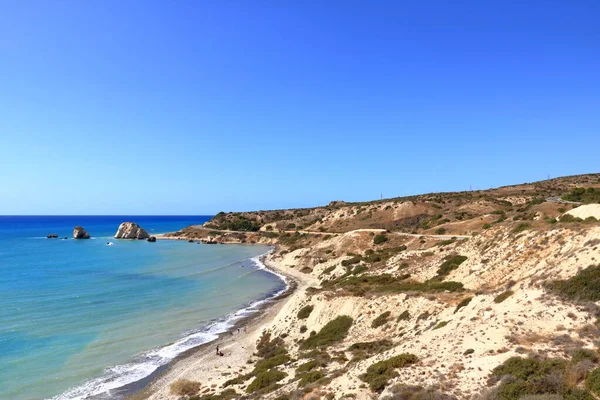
204	365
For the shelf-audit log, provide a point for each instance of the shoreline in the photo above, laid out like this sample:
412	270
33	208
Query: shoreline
237	342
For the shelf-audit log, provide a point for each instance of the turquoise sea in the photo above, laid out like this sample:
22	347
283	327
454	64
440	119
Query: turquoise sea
80	319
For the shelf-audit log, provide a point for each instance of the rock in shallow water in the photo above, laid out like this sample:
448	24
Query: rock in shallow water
80	233
131	230
152	239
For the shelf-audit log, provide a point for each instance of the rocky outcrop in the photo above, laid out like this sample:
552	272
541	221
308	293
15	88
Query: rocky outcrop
152	239
131	230
52	236
80	233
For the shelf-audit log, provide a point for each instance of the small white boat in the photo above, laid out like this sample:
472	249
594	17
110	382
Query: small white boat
109	243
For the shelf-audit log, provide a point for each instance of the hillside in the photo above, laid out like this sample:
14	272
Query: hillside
474	295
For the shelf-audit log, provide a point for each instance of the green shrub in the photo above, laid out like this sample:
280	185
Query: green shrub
503	296
381	320
583	195
351	261
307	366
303	329
449	265
379	374
268	363
463	303
521	227
310	377
487	226
405	315
578	355
305	311
593	381
585	286
334	331
362	350
441	325
379	239
440	231
265	380
413	392
359	269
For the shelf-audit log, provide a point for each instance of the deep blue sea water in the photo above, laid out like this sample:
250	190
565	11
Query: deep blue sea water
80	318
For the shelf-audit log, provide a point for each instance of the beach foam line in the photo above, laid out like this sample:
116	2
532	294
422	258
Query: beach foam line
144	365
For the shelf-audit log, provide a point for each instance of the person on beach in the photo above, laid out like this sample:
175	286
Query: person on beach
217	349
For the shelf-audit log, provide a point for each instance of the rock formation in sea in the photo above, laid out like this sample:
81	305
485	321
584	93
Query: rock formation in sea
152	239
131	230
80	233
52	236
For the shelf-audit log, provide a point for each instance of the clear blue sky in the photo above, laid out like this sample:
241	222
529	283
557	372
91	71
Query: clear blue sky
193	107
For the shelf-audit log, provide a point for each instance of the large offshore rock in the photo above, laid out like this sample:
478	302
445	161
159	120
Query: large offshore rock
80	233
131	230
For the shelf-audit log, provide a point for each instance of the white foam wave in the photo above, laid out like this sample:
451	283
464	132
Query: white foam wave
121	375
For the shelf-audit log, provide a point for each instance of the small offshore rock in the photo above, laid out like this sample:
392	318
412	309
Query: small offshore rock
52	236
152	239
80	233
131	230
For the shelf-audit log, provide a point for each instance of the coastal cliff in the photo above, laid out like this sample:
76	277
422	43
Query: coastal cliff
474	295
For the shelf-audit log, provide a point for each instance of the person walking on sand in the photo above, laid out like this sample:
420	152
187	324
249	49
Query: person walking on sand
217	349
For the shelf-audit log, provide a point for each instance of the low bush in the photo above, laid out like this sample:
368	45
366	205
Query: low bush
441	325
521	377
503	296
381	320
412	392
463	303
379	374
361	350
405	315
379	239
268	363
593	381
450	265
310	377
581	354
585	286
334	331
185	387
521	227
305	311
265	381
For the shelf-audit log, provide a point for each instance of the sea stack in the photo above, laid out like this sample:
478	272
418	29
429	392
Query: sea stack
80	233
131	230
152	239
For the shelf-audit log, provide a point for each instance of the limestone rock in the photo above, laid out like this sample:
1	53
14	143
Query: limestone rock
131	230
80	233
52	236
152	239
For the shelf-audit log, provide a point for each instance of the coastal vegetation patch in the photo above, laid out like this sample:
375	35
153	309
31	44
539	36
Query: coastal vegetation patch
333	332
583	195
449	265
379	374
584	286
519	377
363	350
382	319
503	296
305	311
